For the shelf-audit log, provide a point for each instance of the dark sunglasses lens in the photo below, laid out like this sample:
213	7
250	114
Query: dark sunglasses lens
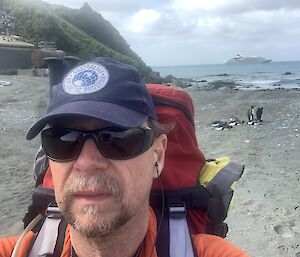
61	144
125	144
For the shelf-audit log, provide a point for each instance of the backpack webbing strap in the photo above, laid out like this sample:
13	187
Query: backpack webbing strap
174	238
46	239
163	240
45	243
60	239
180	238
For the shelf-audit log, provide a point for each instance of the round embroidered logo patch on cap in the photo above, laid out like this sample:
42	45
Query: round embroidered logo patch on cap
85	79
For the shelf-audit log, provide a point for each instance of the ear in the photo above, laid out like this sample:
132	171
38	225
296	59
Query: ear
159	146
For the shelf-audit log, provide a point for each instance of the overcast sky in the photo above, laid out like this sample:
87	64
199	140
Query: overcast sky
183	32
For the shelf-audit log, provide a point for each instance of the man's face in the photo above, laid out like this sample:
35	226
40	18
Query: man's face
97	195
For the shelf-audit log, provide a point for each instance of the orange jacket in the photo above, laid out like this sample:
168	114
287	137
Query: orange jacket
205	245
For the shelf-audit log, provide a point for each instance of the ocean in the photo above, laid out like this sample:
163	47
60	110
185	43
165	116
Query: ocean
274	75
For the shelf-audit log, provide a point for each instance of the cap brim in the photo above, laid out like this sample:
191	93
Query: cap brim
104	111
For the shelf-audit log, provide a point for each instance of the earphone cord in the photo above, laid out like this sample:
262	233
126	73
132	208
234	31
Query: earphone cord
162	213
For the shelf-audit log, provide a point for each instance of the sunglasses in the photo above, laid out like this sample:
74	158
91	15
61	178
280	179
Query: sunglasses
63	144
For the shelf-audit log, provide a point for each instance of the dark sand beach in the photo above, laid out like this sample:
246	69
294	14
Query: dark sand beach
265	218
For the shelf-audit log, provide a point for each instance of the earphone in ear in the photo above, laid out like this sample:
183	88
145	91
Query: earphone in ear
156	164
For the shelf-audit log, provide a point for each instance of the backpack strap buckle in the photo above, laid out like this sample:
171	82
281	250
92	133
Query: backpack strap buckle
177	210
53	212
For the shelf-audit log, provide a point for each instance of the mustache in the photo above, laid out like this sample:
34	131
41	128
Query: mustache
96	183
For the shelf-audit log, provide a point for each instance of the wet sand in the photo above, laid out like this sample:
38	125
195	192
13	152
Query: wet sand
265	219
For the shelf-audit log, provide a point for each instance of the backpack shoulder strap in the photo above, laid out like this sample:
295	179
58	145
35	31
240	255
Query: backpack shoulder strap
180	238
50	239
174	238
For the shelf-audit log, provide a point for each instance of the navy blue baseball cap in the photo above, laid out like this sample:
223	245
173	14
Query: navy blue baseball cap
103	89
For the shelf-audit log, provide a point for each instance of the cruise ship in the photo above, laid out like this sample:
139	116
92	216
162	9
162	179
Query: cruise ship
239	59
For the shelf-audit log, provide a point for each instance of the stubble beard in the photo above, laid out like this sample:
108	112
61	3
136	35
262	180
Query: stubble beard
96	222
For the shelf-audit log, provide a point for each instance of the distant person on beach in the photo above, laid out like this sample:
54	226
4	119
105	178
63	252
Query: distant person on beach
105	147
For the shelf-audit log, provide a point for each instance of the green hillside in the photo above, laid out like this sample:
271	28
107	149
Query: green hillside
80	32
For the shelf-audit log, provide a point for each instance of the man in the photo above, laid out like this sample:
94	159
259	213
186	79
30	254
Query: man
105	148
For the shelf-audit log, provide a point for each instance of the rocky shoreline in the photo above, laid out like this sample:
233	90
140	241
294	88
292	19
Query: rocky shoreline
221	81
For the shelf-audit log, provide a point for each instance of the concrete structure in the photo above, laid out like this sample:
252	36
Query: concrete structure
16	54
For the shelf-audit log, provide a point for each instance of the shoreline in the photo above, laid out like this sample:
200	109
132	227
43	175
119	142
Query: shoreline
265	218
282	75
219	84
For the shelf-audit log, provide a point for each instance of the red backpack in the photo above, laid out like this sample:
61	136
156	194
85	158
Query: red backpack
184	159
203	206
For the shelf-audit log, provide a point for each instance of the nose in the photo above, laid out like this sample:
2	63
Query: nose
90	158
